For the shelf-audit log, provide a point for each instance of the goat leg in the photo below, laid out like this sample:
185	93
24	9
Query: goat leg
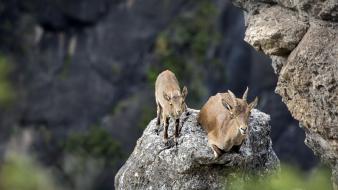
177	123
217	151
158	117
165	132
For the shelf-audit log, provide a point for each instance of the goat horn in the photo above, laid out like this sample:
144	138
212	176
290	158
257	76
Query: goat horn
233	97
245	95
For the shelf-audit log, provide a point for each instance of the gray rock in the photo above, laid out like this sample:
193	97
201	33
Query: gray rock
60	15
275	30
308	84
325	10
277	63
191	164
308	70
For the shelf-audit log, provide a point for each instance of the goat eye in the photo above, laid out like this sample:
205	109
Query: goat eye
228	107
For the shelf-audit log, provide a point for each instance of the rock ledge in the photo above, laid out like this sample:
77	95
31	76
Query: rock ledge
190	164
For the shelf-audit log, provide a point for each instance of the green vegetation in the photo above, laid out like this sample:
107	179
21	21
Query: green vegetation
147	114
88	155
183	48
85	156
288	179
96	143
123	105
7	94
21	172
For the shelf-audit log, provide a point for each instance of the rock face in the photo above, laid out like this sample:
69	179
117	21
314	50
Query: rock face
309	85
305	56
72	71
191	164
276	31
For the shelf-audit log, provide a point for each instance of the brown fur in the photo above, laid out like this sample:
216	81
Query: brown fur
170	101
225	119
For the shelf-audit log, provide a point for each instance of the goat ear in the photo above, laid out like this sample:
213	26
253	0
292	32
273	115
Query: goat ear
184	92
253	104
165	96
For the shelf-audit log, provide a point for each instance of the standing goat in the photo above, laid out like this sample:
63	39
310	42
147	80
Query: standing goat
225	119
170	101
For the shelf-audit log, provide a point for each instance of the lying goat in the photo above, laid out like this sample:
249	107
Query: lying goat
225	119
170	101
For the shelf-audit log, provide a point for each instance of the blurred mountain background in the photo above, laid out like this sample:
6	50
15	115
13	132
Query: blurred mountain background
77	82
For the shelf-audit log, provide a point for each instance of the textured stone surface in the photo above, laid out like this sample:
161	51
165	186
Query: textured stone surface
319	9
278	62
308	71
325	10
275	30
191	164
68	93
308	84
309	80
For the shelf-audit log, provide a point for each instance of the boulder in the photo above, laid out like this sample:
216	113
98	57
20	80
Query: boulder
275	30
191	164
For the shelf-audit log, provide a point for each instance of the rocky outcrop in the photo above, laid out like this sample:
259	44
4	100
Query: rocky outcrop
191	163
301	38
275	31
309	84
72	71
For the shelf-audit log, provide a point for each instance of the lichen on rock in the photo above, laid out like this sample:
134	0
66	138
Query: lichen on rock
191	163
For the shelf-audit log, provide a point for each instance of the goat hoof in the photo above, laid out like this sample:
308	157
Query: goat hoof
216	155
175	141
165	141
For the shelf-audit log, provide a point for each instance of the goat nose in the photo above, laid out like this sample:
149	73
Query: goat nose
243	130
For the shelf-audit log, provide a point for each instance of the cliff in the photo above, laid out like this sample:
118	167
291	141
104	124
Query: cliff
301	39
69	72
191	164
